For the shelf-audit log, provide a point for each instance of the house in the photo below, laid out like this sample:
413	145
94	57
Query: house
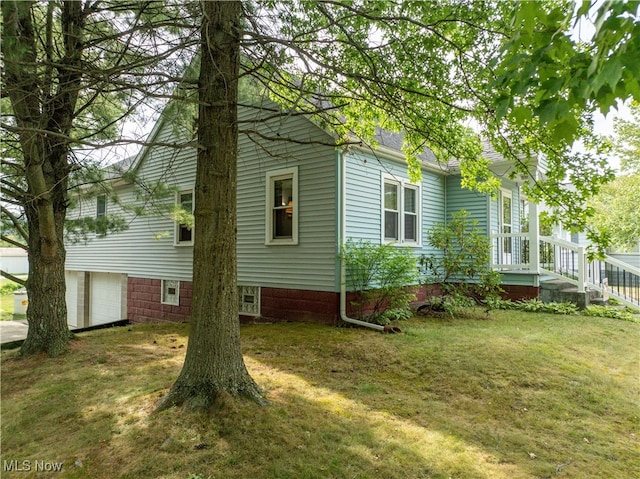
299	199
14	260
617	275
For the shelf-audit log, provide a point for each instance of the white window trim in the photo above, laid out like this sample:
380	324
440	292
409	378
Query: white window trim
176	230
271	177
402	183
104	213
505	194
177	295
106	206
505	244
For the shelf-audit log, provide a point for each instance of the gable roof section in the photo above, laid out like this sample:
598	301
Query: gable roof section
389	145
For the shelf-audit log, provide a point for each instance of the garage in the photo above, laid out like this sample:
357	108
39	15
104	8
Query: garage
107	298
71	278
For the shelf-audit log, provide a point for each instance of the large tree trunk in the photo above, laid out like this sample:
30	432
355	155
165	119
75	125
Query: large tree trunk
47	311
214	362
42	105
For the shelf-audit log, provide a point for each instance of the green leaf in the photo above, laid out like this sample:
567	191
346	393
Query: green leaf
521	114
547	111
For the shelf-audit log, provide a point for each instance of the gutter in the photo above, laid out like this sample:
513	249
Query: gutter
342	233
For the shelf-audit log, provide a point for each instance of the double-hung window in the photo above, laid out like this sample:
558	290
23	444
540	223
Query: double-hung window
282	207
184	229
101	212
101	206
401	212
506	225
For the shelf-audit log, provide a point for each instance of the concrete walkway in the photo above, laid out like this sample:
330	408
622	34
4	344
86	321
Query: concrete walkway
12	333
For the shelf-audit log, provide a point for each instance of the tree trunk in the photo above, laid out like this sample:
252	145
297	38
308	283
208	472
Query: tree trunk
214	362
47	311
45	159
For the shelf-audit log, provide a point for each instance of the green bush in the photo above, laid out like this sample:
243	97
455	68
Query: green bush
9	288
533	306
462	266
452	303
609	312
465	250
537	306
380	275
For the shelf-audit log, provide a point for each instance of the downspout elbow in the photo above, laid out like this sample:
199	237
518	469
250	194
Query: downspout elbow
343	310
387	328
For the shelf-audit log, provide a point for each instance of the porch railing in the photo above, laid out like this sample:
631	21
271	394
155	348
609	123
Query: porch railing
567	261
511	251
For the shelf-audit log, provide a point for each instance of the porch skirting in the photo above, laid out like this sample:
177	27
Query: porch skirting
516	292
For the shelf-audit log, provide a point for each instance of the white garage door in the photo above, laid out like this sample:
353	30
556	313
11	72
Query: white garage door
71	278
108	297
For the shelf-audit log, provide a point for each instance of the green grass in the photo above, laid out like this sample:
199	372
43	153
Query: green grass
519	396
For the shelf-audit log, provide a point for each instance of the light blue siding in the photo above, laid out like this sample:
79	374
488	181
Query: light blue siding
311	264
365	176
146	249
519	279
477	204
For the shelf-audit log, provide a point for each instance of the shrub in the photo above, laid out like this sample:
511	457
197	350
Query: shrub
463	265
379	274
452	304
537	306
609	312
533	306
9	288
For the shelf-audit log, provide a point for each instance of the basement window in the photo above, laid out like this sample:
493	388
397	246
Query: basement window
171	292
249	300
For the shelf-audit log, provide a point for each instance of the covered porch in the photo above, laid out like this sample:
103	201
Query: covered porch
538	258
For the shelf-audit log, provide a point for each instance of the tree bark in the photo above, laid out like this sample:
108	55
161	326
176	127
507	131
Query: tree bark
46	161
214	362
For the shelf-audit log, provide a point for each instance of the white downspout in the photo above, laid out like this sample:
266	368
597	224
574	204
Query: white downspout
341	240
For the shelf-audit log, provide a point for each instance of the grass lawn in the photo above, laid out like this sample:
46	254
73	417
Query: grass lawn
6	307
521	395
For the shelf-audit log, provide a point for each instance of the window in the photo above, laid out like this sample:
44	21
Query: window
391	211
170	292
101	212
249	300
506	225
410	215
184	231
282	207
101	206
401	205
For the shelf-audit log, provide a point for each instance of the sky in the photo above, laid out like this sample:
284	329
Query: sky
604	126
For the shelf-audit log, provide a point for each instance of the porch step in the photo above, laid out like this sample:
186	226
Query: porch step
556	285
560	291
599	301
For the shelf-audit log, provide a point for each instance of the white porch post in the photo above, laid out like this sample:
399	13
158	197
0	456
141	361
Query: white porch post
582	266
534	239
